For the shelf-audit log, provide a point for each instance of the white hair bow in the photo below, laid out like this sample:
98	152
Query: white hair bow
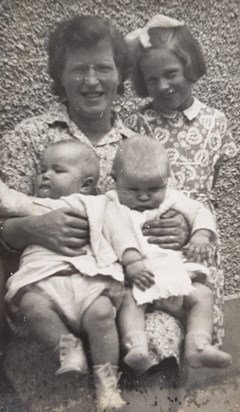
142	35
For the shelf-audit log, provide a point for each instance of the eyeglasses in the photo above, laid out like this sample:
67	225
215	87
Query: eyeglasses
87	71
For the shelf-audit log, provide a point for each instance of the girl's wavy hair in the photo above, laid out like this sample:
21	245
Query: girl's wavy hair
179	41
85	31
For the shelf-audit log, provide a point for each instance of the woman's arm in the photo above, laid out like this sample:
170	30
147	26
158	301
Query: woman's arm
170	231
64	231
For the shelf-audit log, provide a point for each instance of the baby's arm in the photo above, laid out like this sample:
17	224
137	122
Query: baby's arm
14	203
135	269
202	225
124	241
197	215
64	231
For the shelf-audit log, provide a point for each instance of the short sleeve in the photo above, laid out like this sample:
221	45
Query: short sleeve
19	159
138	124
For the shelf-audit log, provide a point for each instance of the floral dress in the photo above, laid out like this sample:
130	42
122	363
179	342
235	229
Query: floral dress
197	140
21	152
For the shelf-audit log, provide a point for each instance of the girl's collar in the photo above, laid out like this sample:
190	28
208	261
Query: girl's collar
193	111
190	113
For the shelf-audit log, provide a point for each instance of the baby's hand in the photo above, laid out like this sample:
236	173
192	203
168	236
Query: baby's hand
199	248
137	273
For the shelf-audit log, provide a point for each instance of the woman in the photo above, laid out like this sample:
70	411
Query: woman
88	62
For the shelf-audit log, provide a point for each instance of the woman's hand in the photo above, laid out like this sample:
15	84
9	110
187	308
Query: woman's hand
64	231
170	231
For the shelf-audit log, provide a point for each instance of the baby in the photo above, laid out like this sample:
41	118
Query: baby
61	296
141	172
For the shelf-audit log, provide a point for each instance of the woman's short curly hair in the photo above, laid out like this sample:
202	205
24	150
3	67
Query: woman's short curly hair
84	31
179	41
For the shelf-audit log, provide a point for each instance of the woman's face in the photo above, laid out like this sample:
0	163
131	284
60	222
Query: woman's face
90	78
166	83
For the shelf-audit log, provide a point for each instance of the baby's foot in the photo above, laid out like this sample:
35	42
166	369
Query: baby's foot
137	357
138	360
71	355
108	396
109	401
200	353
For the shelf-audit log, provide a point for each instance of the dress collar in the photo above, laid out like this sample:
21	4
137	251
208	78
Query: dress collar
59	114
190	113
193	111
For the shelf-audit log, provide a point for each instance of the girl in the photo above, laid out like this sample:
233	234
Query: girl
167	61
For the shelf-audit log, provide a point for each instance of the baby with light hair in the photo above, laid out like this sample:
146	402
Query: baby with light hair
141	171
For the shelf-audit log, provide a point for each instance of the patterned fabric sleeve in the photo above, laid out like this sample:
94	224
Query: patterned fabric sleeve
228	148
138	123
18	158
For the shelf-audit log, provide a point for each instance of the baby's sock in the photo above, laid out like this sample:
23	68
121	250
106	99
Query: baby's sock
199	352
137	357
106	388
71	355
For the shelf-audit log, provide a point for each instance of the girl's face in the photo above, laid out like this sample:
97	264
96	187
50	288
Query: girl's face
166	83
90	78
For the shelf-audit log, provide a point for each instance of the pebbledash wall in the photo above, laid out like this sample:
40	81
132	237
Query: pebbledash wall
26	89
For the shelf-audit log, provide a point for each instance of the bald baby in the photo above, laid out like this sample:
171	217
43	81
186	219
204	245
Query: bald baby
141	170
68	167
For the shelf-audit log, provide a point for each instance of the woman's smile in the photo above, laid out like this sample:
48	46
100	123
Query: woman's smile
92	95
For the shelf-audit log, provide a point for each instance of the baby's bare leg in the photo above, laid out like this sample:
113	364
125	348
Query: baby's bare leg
200	303
198	343
100	325
131	321
44	323
130	315
48	328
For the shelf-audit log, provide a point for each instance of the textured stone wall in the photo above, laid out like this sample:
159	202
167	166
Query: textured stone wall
25	86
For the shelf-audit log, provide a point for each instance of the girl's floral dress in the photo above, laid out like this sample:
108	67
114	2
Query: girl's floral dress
197	141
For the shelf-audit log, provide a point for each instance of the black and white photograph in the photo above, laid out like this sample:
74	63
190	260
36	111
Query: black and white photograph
119	206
